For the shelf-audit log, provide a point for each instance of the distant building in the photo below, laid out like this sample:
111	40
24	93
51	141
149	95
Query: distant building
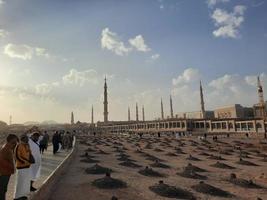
195	115
233	111
229	119
260	110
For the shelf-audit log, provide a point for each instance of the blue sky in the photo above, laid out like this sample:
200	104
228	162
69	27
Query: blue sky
54	55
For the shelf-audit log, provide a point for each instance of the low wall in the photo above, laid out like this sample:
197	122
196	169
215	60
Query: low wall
45	191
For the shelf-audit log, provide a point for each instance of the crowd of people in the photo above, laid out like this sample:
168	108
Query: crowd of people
62	140
23	156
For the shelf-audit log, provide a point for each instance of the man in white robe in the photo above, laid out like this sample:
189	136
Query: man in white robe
35	169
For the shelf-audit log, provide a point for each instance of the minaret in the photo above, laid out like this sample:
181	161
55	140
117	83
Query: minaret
171	108
260	92
260	110
72	118
105	102
143	113
136	110
129	114
203	113
162	112
92	116
10	120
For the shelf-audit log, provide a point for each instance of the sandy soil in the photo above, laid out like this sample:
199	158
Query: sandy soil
76	184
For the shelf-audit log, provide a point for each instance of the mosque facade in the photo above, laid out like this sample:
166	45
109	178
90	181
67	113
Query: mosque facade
229	119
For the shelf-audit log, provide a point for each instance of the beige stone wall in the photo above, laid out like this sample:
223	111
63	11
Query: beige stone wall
229	112
234	111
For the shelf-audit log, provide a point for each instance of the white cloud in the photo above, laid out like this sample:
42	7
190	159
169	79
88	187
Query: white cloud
23	93
224	82
56	84
27	72
139	43
252	79
80	77
42	52
109	76
2	2
212	3
228	23
189	75
24	52
155	56
227	89
234	88
111	42
43	89
3	33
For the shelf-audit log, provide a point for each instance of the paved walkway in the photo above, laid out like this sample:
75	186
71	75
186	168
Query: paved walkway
49	163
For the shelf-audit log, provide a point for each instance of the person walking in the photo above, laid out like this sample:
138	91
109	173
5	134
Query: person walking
44	142
24	160
35	169
7	165
55	142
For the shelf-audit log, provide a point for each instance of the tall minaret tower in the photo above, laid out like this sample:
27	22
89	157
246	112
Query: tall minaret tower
260	92
10	120
203	113
105	101
260	110
129	114
162	112
92	115
171	108
143	113
72	118
136	110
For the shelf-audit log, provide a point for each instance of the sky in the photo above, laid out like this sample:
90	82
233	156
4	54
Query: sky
54	56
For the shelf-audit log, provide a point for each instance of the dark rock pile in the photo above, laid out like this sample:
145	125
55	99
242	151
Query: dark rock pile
246	162
165	190
242	182
214	157
152	158
222	165
102	152
97	169
89	150
89	160
194	168
211	190
190	172
109	183
171	154
158	164
130	164
179	150
204	154
192	158
86	155
158	150
150	172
